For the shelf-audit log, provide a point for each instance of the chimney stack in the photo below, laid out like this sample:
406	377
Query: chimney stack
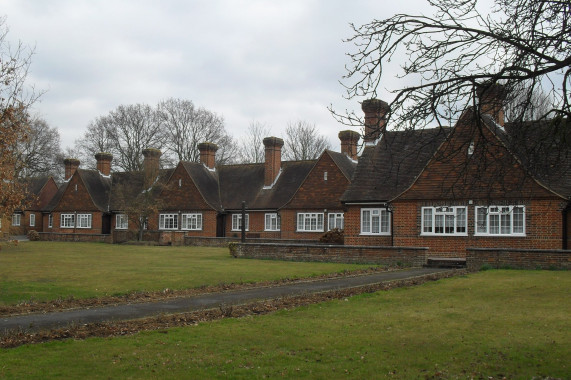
349	140
491	97
375	122
151	166
71	165
273	163
104	163
208	154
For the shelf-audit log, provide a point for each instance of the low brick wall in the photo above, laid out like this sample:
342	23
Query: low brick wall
224	241
391	256
497	258
56	236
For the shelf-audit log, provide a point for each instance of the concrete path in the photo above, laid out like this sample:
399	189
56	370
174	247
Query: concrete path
33	322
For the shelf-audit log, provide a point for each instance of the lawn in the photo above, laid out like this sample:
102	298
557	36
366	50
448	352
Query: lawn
41	271
493	324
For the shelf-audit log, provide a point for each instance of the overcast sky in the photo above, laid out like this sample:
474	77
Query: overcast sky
269	61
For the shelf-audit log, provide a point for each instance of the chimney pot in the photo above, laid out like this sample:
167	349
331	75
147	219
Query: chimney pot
71	165
151	165
273	162
104	162
349	140
208	154
491	100
375	122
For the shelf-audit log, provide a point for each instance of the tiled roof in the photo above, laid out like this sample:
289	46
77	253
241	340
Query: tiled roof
388	168
344	163
206	182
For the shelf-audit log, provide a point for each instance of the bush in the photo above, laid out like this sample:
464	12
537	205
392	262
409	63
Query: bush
334	236
33	235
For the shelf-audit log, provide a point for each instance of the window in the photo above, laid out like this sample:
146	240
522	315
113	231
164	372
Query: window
83	220
500	220
168	222
50	221
16	219
273	222
335	220
67	221
310	222
121	222
32	220
375	221
191	221
237	222
451	220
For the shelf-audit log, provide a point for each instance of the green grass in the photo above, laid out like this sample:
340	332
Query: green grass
47	270
489	324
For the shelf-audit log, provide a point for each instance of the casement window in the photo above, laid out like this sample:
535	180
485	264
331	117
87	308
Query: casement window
16	219
310	222
168	221
446	220
500	220
83	220
237	222
375	221
191	222
335	220
67	221
32	220
121	222
50	221
273	222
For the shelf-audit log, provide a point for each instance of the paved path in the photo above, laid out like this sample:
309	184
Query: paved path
180	305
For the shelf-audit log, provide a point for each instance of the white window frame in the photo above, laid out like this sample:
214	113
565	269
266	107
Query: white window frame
168	222
335	220
375	221
191	222
50	221
121	222
32	220
84	220
499	220
444	221
16	220
67	221
237	222
272	222
310	222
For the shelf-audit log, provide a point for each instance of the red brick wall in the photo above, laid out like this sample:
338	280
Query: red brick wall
476	258
96	222
353	230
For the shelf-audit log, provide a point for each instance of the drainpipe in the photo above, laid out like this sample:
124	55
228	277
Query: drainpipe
390	209
243	227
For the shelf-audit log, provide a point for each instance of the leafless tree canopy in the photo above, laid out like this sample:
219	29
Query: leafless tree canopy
522	44
252	145
303	142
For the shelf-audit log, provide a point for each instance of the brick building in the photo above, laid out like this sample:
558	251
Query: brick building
482	183
39	192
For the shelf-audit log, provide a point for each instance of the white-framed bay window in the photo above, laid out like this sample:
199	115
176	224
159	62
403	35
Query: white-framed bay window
310	222
168	221
272	222
237	222
121	222
500	220
335	220
84	220
444	220
375	221
192	222
67	221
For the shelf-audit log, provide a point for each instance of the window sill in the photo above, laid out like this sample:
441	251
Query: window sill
373	234
500	235
445	235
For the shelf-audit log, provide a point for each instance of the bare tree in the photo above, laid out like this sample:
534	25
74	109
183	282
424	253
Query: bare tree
521	44
40	153
303	141
186	126
15	98
252	145
97	138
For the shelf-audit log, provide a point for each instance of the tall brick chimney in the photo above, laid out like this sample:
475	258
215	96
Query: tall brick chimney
491	98
208	154
104	162
349	140
151	165
273	163
375	122
71	165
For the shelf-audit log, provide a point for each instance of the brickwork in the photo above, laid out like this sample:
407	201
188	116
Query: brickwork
391	256
49	236
477	258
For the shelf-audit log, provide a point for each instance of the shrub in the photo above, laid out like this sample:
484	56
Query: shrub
33	235
334	236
